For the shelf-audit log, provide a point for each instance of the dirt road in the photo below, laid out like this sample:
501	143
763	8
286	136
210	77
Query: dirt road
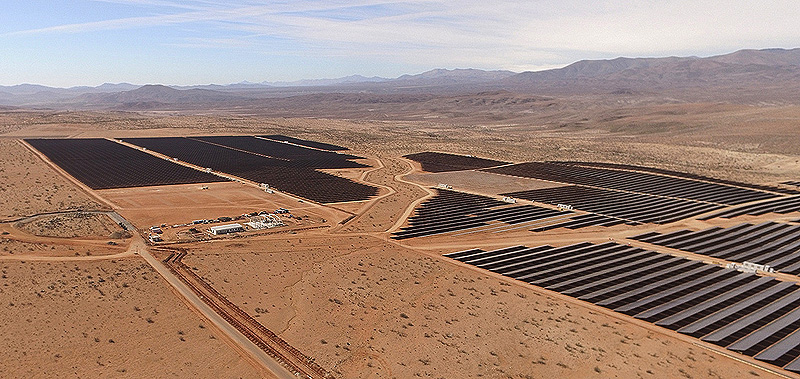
235	336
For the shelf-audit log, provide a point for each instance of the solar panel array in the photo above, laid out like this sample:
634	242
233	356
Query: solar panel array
280	174
781	206
298	141
104	164
757	316
444	162
680	174
628	206
792	183
772	243
582	221
639	182
297	155
451	211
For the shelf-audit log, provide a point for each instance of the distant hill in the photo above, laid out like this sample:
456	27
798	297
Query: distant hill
432	78
23	94
744	69
29	89
745	76
105	87
440	76
154	95
328	82
765	57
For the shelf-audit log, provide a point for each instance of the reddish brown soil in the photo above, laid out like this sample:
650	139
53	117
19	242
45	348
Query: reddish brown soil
102	319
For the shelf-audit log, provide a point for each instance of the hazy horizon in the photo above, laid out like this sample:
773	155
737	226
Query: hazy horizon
87	43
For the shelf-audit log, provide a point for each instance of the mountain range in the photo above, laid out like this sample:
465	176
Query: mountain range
742	76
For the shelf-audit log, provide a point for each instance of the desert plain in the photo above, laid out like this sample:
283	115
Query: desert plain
79	299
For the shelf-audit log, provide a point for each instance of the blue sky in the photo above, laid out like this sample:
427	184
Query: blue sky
71	42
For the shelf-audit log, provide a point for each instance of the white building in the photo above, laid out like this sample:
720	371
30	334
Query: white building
225	229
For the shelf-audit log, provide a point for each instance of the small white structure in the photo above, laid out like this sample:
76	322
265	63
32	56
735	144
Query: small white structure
444	186
510	200
208	170
564	207
225	229
750	267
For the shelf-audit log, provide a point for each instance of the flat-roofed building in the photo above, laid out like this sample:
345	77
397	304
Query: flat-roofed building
225	229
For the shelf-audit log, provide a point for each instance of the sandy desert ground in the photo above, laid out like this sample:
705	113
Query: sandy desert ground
73	225
480	182
105	318
360	304
29	186
366	309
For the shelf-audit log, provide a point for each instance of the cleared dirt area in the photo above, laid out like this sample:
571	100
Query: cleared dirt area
67	234
113	318
480	182
48	249
380	215
29	186
366	308
78	224
177	204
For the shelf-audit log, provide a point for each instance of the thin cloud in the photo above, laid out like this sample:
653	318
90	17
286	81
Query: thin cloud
501	34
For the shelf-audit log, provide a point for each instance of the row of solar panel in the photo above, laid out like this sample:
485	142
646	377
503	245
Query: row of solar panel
781	206
757	316
624	205
680	174
103	164
304	142
297	155
771	243
443	162
285	175
585	220
639	182
450	211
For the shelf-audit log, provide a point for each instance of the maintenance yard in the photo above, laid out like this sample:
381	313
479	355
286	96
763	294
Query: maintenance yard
150	206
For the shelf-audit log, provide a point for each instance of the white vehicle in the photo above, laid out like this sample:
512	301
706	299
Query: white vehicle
750	267
564	207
